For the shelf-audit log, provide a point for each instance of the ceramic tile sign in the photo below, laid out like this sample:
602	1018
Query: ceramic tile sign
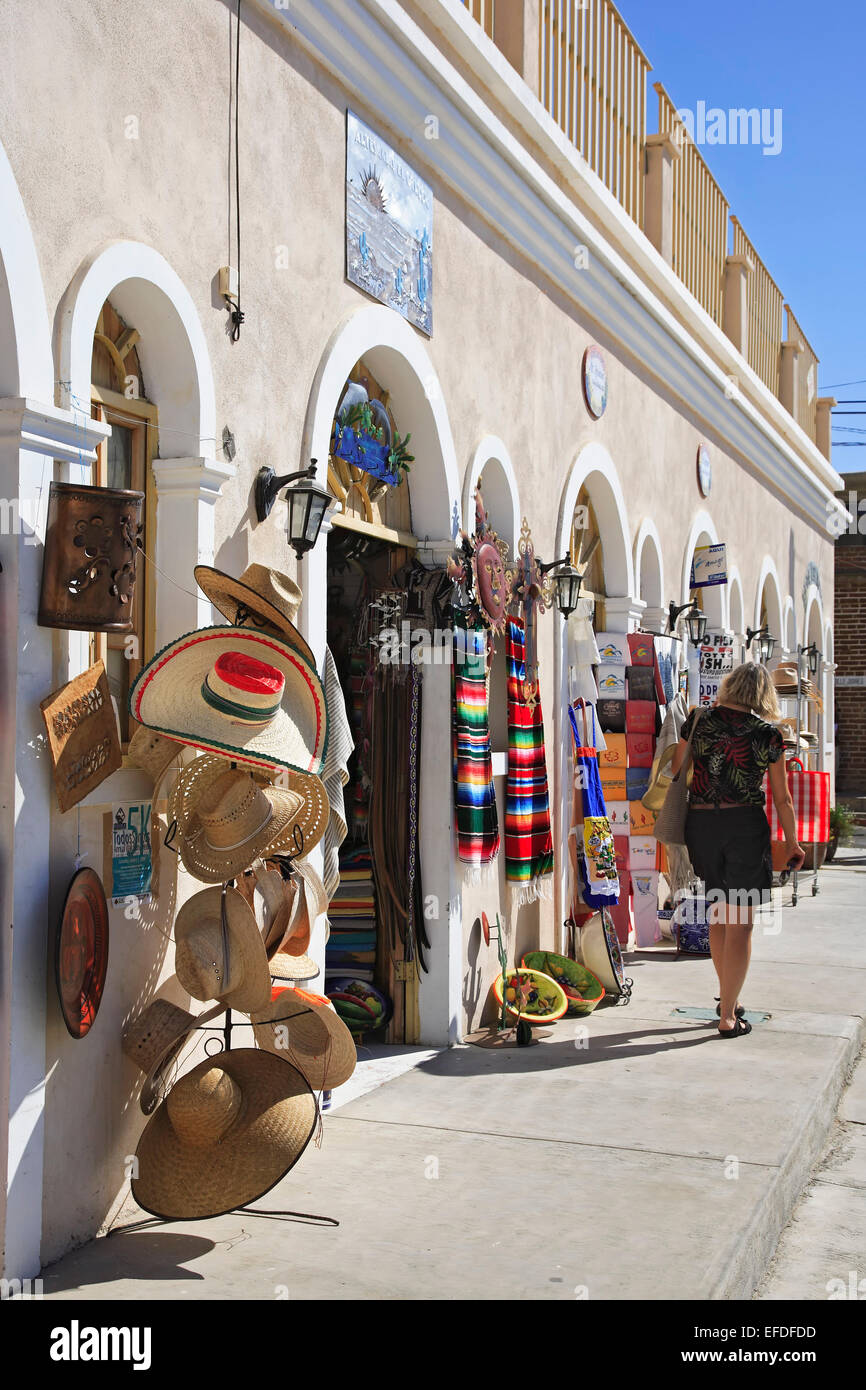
389	226
709	566
82	735
595	381
131	865
716	660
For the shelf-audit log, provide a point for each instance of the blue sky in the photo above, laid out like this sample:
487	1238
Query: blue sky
804	209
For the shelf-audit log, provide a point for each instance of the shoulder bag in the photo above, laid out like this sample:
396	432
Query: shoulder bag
670	826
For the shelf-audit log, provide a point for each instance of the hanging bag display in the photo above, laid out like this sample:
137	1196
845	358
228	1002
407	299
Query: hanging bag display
594	853
810	792
670	826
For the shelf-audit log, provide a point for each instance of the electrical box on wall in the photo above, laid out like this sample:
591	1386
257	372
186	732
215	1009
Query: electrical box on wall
229	283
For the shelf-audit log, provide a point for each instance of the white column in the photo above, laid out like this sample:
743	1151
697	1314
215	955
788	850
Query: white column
32	436
655	620
187	489
623	614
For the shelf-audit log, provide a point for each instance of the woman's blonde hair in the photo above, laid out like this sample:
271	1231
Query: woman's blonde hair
751	685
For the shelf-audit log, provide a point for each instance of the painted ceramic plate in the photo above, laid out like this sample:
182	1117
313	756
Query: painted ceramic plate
81	954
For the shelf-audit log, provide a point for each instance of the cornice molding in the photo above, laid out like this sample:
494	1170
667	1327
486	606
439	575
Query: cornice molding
199	478
39	428
672	337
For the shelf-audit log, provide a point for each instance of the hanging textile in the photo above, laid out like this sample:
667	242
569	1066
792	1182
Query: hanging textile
474	798
528	841
335	773
592	854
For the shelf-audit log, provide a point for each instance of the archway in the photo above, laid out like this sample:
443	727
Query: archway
491	463
736	616
397	357
813	627
712	600
789	634
147	292
768	604
649	573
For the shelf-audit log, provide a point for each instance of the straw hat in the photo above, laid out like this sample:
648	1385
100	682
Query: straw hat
305	1029
290	960
153	1041
227	1132
260	596
152	753
221	957
227	817
239	692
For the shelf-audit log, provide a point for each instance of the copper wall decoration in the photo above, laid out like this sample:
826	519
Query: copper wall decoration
91	548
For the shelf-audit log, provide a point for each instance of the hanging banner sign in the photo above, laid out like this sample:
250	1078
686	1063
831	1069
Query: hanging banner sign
716	660
131	866
82	735
709	566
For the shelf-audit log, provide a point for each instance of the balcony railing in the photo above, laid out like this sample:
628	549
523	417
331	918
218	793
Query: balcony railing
592	81
590	76
700	216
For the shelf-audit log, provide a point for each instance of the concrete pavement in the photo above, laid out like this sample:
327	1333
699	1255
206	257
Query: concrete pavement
630	1155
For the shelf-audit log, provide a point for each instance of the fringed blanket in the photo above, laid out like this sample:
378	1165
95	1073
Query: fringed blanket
474	798
528	841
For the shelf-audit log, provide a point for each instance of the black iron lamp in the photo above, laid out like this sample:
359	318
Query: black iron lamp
307	504
813	657
766	642
567	583
696	622
674	611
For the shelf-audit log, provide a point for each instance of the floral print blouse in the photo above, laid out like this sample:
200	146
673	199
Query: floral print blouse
731	753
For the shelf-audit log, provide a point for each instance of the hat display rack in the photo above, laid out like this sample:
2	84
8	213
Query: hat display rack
244	815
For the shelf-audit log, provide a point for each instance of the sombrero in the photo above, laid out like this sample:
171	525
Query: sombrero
228	817
305	1029
81	952
153	1041
219	951
260	595
226	1133
238	692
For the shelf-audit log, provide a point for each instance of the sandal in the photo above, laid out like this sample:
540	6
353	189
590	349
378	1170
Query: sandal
741	1028
739	1011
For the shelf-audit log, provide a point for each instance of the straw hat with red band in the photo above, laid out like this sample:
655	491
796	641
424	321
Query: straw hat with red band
236	691
260	596
305	1030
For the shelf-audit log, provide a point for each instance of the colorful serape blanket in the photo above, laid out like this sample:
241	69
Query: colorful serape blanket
478	837
528	840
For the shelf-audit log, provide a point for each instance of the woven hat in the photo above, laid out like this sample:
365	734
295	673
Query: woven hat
305	1029
290	961
151	752
261	595
238	692
227	817
221	955
153	1041
227	1132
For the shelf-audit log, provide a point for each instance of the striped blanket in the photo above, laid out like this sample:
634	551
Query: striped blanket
474	799
528	841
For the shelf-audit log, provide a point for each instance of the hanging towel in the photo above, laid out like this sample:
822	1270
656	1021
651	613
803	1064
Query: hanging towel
528	840
474	797
593	854
335	773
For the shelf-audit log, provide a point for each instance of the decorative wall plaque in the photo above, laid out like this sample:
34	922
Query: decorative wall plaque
91	548
82	735
595	381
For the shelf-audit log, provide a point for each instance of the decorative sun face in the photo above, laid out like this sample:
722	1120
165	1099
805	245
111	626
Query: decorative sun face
371	186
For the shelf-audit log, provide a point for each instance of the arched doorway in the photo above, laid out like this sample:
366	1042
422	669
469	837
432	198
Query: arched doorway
397	362
768	607
736	613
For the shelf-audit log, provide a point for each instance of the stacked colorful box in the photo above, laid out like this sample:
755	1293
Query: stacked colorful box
351	948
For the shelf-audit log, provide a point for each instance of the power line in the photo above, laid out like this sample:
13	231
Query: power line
837	385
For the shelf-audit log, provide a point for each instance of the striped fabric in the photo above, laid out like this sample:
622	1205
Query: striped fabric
474	798
528	841
810	792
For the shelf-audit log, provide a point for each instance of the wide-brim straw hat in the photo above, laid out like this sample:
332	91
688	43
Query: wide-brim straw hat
259	595
167	696
227	1132
288	819
154	1040
201	939
305	1029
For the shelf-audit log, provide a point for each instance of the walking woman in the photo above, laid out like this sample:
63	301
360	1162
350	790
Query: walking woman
727	832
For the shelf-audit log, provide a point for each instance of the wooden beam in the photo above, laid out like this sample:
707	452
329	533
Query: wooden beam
375	530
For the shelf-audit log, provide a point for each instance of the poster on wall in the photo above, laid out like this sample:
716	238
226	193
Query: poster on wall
717	659
389	226
709	566
82	735
131	866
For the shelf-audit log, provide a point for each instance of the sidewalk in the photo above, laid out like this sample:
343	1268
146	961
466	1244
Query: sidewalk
642	1160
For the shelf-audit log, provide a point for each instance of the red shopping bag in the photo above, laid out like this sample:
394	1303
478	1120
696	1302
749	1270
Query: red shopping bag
810	792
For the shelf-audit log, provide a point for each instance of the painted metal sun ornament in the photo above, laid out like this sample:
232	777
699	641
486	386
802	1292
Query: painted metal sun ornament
480	573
